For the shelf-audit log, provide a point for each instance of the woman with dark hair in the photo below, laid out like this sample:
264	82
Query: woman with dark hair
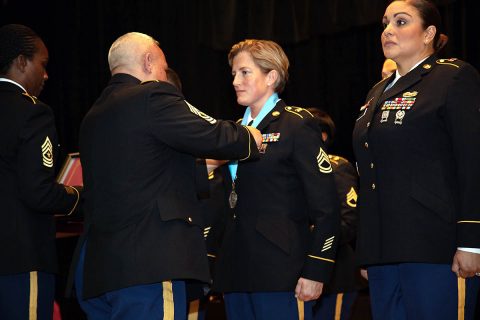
417	145
29	193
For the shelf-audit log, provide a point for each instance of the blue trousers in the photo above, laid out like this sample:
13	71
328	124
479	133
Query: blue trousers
420	291
266	306
156	301
334	306
27	296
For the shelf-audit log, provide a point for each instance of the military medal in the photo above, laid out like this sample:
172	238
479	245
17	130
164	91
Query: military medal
399	116
385	114
232	199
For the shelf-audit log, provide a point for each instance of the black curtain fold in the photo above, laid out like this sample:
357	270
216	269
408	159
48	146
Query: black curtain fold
333	46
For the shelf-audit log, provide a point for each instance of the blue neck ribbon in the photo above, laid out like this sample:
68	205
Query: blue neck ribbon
267	107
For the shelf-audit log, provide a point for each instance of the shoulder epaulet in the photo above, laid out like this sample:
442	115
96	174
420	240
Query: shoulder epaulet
31	98
379	82
239	120
450	62
148	81
337	159
300	112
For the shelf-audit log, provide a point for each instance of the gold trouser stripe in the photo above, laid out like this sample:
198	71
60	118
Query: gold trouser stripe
461	298
193	308
301	309
338	306
168	306
32	313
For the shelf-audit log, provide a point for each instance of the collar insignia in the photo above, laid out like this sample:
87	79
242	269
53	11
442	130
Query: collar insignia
427	66
275	113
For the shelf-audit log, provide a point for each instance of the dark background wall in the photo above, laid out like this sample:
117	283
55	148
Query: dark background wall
333	47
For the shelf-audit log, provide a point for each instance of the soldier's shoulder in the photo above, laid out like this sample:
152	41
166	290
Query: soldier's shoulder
297	112
30	98
32	103
450	63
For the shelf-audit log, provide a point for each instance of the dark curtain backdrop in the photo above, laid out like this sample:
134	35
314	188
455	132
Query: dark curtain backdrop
333	47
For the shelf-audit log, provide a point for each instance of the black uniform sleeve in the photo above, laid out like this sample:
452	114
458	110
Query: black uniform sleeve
315	171
185	128
462	117
346	180
36	167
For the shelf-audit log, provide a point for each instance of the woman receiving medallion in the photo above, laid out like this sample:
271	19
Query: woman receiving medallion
417	145
281	231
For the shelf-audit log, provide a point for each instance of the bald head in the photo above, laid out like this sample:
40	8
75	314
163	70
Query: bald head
139	55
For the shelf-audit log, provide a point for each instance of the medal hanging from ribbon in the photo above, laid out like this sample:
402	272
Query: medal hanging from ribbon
232	199
233	165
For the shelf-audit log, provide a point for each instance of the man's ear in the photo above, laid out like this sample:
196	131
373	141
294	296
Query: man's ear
147	63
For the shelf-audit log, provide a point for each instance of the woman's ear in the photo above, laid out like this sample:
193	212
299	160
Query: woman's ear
430	34
272	77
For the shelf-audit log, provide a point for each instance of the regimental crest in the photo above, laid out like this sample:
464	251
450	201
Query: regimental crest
47	153
201	114
323	161
328	244
352	198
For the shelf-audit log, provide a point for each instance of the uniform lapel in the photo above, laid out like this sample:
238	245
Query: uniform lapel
272	115
372	104
408	80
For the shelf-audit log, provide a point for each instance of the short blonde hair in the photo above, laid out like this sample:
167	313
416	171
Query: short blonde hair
267	55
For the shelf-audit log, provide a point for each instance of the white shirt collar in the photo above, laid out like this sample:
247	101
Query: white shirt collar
15	83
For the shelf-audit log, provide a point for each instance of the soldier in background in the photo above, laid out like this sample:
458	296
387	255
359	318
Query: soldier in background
342	290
